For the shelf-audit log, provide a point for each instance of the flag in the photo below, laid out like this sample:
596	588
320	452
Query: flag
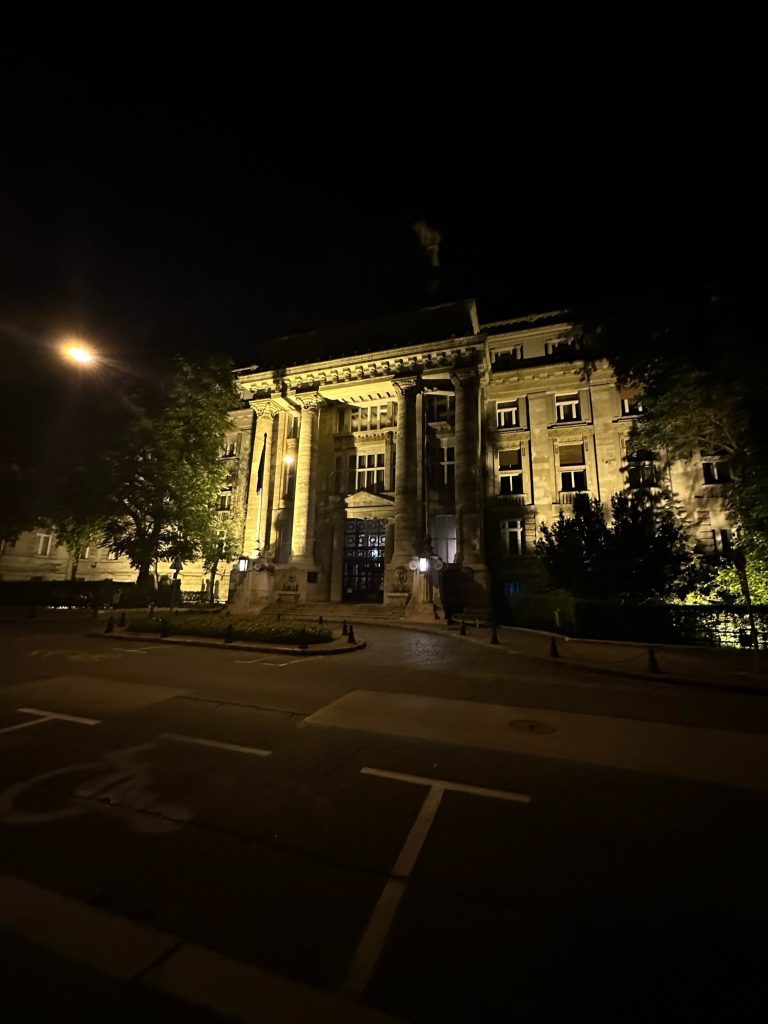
260	474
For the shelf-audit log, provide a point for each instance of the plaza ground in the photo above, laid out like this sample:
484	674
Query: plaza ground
428	828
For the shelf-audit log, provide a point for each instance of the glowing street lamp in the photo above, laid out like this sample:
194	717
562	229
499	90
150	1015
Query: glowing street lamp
78	352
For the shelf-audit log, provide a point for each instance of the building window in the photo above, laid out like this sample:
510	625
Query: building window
289	479
292	428
443	535
563	349
510	471
632	407
112	556
642	470
447	466
369	474
504	358
573	471
440	408
513	536
507	414
230	450
225	501
567	408
44	544
85	552
370	417
716	470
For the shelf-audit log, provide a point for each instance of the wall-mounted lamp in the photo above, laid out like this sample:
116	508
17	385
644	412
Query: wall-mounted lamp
423	564
243	564
289	459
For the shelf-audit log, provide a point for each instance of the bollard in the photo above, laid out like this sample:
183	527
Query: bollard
95	612
477	623
151	609
463	628
122	620
494	634
163	627
653	664
110	626
228	634
344	628
320	620
351	635
553	651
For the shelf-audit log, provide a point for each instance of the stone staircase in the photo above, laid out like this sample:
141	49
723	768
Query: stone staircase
334	612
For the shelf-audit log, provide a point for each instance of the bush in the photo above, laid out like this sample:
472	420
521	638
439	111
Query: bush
217	625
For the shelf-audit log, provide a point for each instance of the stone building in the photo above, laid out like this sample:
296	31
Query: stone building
411	461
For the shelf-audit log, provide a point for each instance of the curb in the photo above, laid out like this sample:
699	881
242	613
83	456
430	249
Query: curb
236	645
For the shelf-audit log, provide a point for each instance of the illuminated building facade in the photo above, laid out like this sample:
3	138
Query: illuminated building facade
411	462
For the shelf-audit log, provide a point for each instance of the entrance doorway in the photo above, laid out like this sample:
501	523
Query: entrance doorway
363	576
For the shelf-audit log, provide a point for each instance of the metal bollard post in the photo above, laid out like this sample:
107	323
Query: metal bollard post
122	620
344	628
351	635
163	627
320	620
463	628
228	634
553	651
494	634
653	664
110	626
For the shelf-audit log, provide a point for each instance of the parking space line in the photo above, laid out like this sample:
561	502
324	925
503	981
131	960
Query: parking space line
202	742
47	716
380	922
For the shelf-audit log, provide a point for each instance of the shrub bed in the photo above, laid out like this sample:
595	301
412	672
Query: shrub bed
219	625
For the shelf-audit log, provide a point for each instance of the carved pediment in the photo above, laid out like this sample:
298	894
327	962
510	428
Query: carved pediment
374	505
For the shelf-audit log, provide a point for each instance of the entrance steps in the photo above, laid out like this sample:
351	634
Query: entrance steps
333	611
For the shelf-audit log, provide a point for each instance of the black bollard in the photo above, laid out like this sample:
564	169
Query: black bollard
163	627
229	634
494	634
653	664
110	626
463	628
121	621
151	609
344	628
553	651
320	620
351	635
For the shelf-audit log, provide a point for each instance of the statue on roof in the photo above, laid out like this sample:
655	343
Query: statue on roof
429	239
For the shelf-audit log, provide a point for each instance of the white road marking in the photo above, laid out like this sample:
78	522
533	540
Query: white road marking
200	741
47	716
261	661
459	787
380	922
58	714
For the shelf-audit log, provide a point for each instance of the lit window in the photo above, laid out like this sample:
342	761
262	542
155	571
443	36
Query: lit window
507	414
716	470
289	478
513	536
722	541
44	544
292	427
225	501
443	534
567	408
112	556
229	450
510	471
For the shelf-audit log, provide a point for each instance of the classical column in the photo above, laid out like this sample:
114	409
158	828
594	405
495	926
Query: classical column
254	529
468	506
303	540
405	472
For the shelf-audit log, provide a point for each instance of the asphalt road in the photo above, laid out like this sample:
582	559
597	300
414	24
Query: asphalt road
429	827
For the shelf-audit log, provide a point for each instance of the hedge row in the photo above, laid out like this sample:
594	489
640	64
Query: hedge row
234	628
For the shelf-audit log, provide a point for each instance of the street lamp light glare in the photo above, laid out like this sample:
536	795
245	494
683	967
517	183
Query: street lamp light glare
288	459
78	352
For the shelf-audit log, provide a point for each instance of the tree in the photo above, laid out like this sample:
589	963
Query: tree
163	479
700	364
220	543
643	555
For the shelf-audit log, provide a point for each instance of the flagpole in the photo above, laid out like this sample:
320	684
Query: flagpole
260	491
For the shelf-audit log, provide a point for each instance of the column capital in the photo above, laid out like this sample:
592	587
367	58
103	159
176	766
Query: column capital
462	375
308	400
406	385
264	407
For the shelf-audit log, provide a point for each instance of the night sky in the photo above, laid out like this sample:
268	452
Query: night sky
163	197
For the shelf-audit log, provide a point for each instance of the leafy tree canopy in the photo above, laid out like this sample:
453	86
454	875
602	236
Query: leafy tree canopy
642	556
700	362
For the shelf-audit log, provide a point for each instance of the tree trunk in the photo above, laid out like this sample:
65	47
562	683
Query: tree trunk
145	584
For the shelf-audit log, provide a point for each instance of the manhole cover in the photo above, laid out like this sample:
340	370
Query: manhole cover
531	725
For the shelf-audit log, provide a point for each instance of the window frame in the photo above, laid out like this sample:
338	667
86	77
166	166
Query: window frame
507	407
572	400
